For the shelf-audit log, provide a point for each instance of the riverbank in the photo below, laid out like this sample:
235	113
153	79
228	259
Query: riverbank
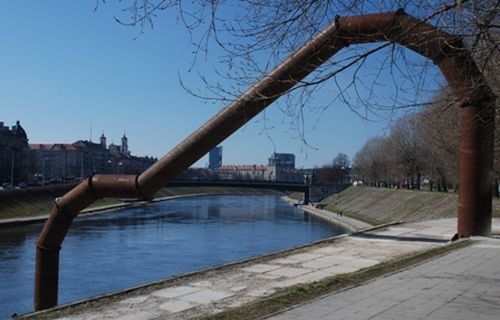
370	206
254	288
377	206
282	275
26	206
337	218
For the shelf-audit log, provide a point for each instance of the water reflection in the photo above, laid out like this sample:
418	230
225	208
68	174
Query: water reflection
117	250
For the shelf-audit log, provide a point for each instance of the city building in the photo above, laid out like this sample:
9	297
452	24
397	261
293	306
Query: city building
215	158
242	172
281	167
46	163
14	160
59	162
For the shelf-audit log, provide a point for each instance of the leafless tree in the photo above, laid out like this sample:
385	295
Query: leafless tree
440	134
341	160
336	172
407	149
424	143
373	80
373	162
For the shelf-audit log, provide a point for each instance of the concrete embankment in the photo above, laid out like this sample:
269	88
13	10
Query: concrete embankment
382	205
337	218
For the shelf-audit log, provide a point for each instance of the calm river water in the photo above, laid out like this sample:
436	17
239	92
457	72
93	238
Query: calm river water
121	249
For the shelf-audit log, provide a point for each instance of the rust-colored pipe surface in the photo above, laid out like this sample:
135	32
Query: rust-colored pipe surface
397	27
477	120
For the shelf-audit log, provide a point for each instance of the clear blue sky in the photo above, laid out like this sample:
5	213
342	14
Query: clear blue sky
64	69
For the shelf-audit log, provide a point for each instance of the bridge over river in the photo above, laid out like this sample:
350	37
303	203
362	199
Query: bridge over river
311	192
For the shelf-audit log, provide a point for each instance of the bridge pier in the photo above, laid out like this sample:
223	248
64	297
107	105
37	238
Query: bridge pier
307	196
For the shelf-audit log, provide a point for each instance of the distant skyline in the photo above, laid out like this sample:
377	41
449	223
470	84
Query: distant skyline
67	69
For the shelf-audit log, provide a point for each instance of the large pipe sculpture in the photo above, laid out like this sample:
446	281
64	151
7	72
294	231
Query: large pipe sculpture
447	51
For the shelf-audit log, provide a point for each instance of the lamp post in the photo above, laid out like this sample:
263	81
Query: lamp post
118	165
12	161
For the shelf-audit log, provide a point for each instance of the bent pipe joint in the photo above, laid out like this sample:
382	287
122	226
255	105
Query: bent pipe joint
114	186
65	209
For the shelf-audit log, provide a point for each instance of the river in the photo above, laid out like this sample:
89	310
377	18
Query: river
117	250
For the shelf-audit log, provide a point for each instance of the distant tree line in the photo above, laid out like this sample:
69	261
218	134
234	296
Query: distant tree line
339	171
421	147
424	146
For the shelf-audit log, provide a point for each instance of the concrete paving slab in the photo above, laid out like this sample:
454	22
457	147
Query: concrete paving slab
296	258
174	306
202	284
237	288
328	261
439	232
261	268
333	250
320	263
289	272
206	296
268	276
339	269
306	278
174	292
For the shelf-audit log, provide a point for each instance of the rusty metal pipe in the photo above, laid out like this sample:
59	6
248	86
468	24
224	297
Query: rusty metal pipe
477	121
469	87
232	117
397	27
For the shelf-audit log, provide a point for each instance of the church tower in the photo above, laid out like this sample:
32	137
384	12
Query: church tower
103	141
124	148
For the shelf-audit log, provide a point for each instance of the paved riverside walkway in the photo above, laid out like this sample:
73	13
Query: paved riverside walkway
468	273
464	284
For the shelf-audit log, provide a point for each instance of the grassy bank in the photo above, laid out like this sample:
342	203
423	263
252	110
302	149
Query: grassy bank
34	202
381	205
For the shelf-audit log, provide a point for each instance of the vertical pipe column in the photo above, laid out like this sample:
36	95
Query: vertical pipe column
477	127
49	244
46	277
475	180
